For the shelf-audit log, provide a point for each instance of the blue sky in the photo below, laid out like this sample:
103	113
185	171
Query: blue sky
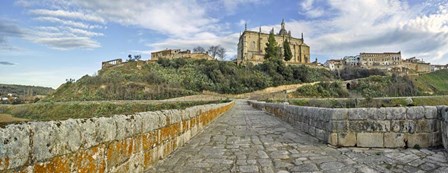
46	42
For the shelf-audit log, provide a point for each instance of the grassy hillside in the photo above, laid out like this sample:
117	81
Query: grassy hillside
433	83
372	86
181	77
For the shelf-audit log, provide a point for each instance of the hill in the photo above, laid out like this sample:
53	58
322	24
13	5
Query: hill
22	90
181	77
433	83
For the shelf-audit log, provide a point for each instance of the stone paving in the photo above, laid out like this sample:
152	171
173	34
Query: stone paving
248	140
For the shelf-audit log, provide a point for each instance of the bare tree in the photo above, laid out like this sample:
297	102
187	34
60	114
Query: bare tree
199	49
216	51
221	52
137	57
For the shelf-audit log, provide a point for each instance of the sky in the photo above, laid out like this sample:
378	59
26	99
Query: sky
45	42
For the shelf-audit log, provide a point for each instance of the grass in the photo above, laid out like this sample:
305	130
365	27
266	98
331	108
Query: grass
379	102
65	110
435	82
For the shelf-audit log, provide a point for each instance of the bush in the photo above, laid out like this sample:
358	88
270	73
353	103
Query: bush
323	89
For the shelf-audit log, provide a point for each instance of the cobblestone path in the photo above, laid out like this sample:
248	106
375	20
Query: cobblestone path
248	140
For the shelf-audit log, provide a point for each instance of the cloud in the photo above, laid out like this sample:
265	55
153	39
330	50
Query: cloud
419	29
308	9
64	22
66	43
8	29
6	63
68	14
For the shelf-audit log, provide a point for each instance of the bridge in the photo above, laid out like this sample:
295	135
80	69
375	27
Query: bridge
234	137
248	140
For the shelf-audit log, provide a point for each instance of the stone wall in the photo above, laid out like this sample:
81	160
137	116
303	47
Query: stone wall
393	127
122	143
443	111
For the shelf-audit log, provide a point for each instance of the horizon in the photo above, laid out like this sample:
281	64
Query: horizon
44	43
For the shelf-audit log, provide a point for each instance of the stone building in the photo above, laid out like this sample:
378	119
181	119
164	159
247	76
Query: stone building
111	63
385	60
177	53
416	65
351	60
335	64
252	44
438	67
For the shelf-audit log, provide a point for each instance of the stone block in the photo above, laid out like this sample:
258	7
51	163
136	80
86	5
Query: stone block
150	121
395	126
339	114
333	139
339	126
422	140
369	126
312	131
88	132
415	112
436	138
398	113
70	135
124	127
347	139
394	140
370	140
44	140
423	126
358	114
407	126
106	129
376	113
322	135
430	112
442	112
14	146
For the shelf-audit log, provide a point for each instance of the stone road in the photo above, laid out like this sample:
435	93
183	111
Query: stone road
248	140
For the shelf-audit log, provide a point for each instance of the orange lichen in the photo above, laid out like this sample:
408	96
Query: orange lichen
154	145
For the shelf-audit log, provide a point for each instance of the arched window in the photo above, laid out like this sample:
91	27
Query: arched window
252	46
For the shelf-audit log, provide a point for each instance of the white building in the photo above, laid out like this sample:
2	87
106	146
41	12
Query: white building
352	60
334	64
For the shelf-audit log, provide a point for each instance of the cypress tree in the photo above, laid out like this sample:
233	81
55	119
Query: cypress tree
272	49
287	50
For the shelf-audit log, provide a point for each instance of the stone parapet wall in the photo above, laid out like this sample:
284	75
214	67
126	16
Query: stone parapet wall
312	120
122	143
443	111
394	127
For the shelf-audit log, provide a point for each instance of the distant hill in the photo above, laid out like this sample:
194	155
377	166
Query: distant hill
24	90
181	77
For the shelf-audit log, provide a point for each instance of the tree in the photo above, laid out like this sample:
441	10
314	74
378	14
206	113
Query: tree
199	49
216	50
137	57
272	49
221	53
287	50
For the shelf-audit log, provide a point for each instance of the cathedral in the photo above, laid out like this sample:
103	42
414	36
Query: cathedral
252	44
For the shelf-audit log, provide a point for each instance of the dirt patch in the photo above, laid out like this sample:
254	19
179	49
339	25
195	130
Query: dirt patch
7	118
